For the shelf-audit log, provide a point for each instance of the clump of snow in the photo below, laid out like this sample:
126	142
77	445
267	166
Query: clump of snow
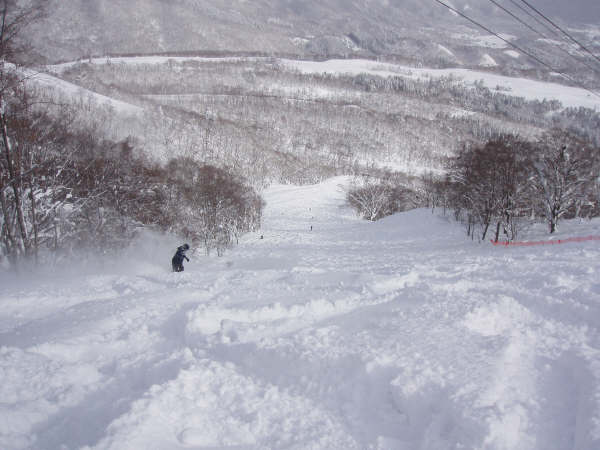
496	318
213	405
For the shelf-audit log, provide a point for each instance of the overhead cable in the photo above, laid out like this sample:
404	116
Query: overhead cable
522	22
525	52
533	16
563	31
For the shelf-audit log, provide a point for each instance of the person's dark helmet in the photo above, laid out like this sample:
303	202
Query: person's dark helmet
186	247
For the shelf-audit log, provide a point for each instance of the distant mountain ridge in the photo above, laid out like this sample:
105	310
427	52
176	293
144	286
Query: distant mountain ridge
413	29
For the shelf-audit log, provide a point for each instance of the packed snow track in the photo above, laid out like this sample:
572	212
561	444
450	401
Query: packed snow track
401	334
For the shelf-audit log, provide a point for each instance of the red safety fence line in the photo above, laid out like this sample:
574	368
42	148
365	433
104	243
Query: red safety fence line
557	241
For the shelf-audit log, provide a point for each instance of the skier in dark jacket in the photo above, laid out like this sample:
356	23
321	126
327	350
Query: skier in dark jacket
177	261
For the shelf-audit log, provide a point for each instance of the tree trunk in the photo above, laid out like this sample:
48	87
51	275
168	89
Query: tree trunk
497	232
34	222
24	239
7	235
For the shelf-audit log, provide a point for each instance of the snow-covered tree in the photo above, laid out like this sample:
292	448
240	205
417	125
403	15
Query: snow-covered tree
372	200
564	173
17	161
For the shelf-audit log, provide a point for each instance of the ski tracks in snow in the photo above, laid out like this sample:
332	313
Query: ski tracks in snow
395	335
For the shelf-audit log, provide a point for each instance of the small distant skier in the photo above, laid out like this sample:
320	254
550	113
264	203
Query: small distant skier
177	261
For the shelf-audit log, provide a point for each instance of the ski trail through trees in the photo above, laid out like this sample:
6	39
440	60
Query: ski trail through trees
399	334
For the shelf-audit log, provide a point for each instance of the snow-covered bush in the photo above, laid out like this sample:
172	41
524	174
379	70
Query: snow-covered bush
375	199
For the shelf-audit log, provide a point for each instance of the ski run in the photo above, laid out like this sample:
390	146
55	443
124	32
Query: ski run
400	334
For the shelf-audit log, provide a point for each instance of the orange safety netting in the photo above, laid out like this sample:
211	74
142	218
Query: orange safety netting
554	242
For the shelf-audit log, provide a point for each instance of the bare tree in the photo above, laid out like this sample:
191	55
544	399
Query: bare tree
490	183
14	18
209	205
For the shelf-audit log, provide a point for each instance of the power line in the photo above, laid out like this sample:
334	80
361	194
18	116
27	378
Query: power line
510	13
516	18
534	17
525	52
563	31
495	34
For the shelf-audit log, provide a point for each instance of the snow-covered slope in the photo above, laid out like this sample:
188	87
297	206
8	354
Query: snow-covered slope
513	86
73	93
399	334
519	87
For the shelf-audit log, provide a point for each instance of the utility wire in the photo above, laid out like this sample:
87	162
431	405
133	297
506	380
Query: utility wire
516	18
534	17
510	13
563	31
525	52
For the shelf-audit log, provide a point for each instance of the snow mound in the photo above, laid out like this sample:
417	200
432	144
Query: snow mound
497	318
212	405
487	61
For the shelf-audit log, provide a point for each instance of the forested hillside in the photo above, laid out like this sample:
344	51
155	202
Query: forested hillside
273	122
420	32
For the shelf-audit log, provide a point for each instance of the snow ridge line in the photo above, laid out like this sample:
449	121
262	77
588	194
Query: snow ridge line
533	243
